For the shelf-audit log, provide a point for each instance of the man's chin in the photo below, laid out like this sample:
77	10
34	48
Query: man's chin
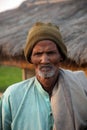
46	75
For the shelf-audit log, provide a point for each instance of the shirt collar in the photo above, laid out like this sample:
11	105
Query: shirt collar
40	88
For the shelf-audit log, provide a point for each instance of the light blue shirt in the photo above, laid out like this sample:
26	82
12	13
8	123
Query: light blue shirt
26	106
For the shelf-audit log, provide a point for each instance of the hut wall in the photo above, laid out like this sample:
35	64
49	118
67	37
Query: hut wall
28	69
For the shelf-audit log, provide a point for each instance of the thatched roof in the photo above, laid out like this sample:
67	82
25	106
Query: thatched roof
71	16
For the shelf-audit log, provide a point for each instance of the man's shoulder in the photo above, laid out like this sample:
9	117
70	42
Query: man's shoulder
19	87
78	73
77	77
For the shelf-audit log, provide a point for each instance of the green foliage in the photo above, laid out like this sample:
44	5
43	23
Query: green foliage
9	75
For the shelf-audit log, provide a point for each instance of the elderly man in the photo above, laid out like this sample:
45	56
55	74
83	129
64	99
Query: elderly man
55	99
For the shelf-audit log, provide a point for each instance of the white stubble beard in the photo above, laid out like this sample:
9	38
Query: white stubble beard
46	74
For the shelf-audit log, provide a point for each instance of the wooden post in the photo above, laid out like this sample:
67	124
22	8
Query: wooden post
27	73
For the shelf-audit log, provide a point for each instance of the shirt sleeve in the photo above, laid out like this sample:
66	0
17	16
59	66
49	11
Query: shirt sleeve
5	113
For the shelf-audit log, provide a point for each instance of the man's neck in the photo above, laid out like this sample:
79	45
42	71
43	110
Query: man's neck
48	83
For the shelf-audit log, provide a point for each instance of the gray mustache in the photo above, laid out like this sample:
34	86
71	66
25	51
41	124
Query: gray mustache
46	66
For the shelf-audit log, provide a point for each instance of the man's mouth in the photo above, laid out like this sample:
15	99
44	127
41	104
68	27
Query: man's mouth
46	71
45	68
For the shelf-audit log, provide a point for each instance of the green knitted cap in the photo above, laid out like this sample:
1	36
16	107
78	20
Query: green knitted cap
43	31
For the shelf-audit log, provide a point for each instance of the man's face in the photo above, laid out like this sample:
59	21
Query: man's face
46	58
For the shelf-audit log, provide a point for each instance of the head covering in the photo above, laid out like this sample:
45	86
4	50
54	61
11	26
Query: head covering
44	31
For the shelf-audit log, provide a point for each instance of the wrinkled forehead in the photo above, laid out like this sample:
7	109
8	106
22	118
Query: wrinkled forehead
46	46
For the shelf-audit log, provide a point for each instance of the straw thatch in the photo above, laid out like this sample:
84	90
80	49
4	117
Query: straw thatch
71	16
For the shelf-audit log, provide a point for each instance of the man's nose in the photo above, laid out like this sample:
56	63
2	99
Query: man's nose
45	58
